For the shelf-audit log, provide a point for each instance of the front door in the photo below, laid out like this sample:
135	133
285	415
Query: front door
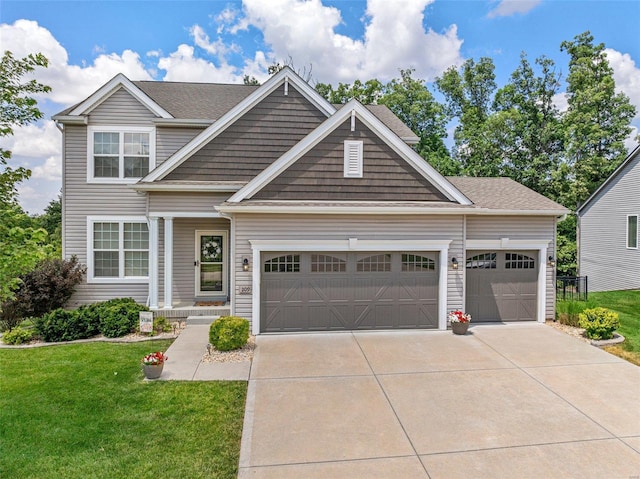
211	263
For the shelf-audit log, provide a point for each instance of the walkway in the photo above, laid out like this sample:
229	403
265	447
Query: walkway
185	357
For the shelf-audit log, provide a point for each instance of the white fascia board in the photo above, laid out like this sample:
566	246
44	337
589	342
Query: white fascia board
228	188
184	214
182	122
328	126
70	120
236	112
375	210
406	152
350	245
110	87
506	243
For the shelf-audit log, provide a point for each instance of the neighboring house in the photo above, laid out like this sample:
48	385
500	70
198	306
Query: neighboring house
299	214
608	252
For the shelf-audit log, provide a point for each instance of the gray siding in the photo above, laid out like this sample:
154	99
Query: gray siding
342	227
185	202
84	199
121	109
170	140
538	228
319	175
184	234
603	254
254	141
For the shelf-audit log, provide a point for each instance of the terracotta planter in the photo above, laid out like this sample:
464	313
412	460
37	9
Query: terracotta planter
459	328
152	371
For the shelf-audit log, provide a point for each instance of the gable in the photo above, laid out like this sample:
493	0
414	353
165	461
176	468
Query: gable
253	141
121	107
319	173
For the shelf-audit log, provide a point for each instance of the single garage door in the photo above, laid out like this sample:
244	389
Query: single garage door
348	291
502	285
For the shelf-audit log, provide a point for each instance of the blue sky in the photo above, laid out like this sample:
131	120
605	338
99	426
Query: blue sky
88	42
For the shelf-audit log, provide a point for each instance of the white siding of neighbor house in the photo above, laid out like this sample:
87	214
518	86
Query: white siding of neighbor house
534	228
342	227
82	199
602	233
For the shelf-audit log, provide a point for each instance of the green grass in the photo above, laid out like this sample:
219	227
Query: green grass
627	305
84	411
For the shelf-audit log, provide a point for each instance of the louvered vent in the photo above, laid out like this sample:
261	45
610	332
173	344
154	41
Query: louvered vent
353	159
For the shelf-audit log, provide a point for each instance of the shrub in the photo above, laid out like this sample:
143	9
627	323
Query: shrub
599	323
64	325
49	286
161	325
119	317
17	336
229	332
567	312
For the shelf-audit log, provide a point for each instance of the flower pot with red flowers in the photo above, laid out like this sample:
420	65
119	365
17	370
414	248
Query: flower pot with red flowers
459	321
153	363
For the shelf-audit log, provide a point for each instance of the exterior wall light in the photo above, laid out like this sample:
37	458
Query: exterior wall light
245	264
454	263
552	262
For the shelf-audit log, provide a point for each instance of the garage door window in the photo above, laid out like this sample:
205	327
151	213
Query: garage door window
519	261
374	264
414	262
322	263
482	261
289	263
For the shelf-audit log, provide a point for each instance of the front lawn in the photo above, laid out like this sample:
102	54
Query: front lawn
627	305
84	410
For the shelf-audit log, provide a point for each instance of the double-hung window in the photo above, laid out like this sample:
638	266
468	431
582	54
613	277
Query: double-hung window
117	249
632	231
120	154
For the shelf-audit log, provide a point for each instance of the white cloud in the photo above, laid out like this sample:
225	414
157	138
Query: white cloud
183	65
34	140
627	76
506	8
69	83
50	170
394	38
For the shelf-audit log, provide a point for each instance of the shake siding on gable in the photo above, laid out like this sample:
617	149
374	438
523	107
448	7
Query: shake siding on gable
319	175
341	227
604	256
518	228
254	141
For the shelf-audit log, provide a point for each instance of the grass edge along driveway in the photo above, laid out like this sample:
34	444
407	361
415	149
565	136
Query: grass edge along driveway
84	410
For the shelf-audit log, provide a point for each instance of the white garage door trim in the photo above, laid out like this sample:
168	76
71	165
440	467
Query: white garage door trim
509	244
351	244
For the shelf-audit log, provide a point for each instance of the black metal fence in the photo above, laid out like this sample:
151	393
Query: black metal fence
572	288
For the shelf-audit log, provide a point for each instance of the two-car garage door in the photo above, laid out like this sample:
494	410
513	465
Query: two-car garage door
332	291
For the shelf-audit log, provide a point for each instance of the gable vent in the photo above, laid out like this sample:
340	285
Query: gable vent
353	159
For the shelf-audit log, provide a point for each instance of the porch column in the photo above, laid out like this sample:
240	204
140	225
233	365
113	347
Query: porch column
168	262
153	262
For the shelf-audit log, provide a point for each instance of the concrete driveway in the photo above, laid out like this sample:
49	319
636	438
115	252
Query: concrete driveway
512	401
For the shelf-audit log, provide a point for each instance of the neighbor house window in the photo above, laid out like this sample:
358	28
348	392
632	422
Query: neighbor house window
118	249
632	231
120	154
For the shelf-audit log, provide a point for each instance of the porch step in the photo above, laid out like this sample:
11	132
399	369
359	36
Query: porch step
206	320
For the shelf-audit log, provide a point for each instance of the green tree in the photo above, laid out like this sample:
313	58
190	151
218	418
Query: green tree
21	245
597	120
414	104
469	94
527	126
51	221
366	93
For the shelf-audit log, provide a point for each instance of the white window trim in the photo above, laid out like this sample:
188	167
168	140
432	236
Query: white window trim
90	258
351	170
627	232
121	130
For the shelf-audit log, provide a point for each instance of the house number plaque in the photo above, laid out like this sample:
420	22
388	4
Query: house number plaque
245	290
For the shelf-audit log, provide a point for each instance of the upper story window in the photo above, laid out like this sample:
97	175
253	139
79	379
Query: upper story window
632	231
120	154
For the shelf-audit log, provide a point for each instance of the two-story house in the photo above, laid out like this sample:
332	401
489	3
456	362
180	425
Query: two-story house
295	213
